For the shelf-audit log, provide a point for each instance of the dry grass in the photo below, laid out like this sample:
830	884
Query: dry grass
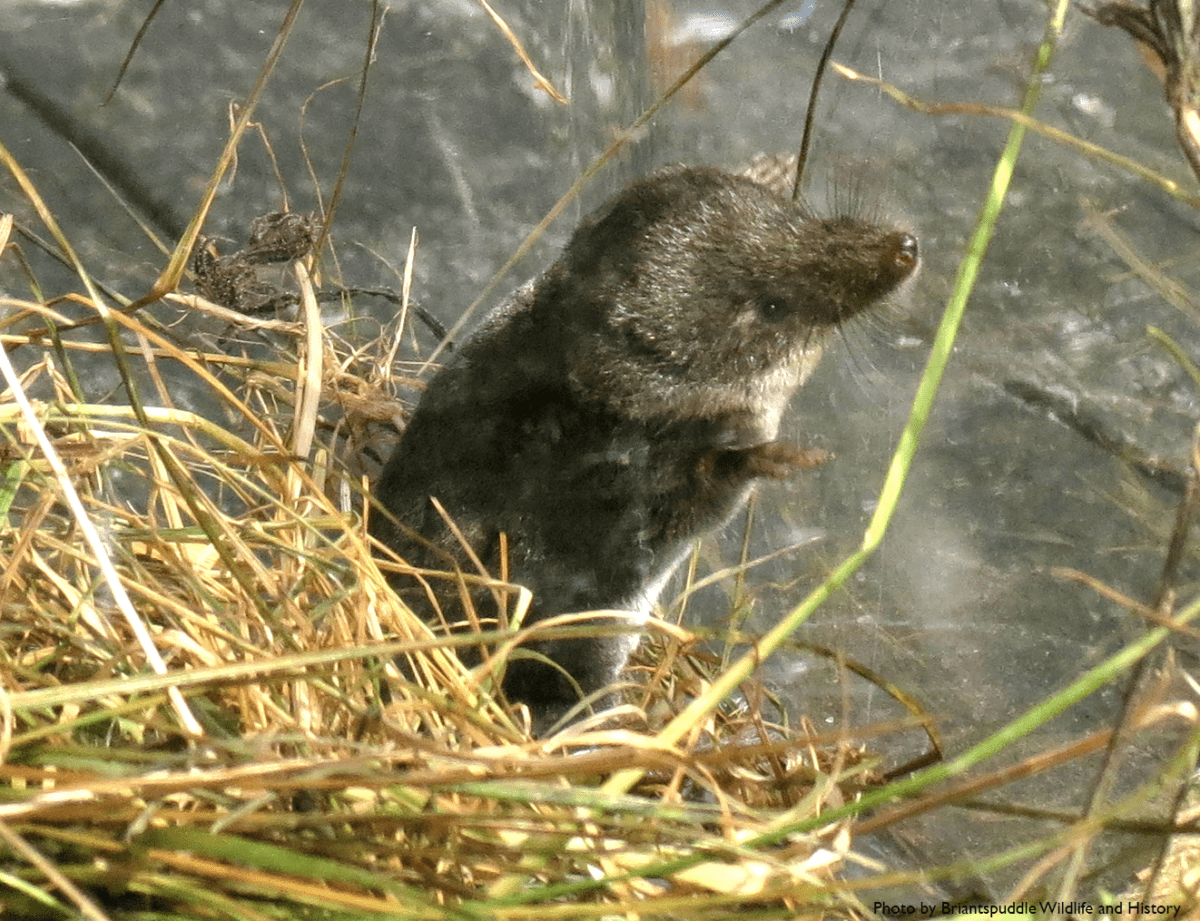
202	715
212	706
203	712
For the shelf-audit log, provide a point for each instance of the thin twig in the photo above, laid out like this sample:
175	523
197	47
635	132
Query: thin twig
810	116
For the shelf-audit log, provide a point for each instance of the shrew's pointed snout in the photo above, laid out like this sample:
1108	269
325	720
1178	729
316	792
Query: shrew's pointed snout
908	253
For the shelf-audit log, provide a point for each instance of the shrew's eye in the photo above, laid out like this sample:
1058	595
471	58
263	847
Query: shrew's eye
772	309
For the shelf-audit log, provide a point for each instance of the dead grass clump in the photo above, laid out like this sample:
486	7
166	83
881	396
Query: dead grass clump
201	714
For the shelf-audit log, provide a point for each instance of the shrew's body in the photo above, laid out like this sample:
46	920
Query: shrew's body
622	404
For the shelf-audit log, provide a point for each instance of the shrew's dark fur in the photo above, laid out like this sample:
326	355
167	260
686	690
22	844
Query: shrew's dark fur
622	404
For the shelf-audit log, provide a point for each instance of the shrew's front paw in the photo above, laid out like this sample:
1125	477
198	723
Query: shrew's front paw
781	459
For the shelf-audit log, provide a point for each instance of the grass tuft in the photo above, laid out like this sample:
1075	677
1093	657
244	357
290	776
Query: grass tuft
202	714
